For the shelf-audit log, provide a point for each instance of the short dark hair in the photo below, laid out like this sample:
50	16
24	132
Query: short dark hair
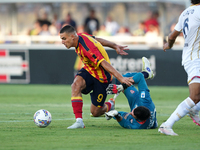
142	113
195	1
67	29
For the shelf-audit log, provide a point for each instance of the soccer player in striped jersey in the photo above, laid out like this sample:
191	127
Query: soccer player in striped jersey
95	75
189	24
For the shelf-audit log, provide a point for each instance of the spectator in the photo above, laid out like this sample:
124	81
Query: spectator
45	30
102	31
141	30
153	20
80	29
123	31
53	30
151	36
44	33
55	24
44	20
69	21
91	23
111	26
36	29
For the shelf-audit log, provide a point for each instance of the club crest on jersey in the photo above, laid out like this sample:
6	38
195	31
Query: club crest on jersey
132	91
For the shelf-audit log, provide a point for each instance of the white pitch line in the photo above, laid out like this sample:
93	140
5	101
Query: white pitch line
8	121
66	105
52	119
52	105
31	120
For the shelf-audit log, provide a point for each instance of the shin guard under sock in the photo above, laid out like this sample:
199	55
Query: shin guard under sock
77	104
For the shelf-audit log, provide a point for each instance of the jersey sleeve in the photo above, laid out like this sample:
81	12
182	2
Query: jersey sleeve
91	51
178	26
128	123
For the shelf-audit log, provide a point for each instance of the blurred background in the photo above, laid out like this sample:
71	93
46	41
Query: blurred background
31	49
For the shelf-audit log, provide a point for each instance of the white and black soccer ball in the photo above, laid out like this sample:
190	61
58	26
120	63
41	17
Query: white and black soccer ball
42	118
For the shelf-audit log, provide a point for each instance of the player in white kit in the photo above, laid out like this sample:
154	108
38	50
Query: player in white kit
189	24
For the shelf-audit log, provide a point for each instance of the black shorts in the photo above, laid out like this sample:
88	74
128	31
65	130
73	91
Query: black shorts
98	90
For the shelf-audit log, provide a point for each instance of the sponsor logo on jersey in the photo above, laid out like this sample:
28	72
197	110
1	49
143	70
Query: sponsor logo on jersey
143	94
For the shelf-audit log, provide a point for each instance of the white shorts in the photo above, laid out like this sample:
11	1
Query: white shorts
192	69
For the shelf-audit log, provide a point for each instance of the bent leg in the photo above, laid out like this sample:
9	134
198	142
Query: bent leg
140	80
98	97
132	96
98	111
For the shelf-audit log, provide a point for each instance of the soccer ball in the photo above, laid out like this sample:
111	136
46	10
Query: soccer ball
42	118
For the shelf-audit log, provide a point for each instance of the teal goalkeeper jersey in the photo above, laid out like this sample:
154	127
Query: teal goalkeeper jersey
138	97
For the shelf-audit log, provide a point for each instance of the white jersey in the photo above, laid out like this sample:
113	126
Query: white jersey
189	24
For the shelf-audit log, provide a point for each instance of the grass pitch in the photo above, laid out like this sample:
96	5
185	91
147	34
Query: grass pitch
18	103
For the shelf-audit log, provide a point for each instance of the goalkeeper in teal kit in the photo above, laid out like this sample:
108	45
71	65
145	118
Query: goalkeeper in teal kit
143	111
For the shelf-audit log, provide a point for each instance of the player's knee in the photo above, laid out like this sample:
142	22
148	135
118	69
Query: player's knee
95	113
195	98
195	95
140	74
75	86
78	84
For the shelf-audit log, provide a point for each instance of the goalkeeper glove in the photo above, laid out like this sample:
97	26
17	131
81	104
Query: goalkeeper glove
114	89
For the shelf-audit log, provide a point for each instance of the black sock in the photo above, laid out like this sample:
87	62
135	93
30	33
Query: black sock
146	75
117	116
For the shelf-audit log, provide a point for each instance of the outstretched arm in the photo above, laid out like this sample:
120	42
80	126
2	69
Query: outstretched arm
171	39
125	123
120	78
119	48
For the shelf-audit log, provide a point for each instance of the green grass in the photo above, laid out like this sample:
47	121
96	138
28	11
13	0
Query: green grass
18	103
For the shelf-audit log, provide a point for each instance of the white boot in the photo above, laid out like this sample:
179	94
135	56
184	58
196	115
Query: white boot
78	124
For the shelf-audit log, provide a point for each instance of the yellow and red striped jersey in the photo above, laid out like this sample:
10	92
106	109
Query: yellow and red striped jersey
92	54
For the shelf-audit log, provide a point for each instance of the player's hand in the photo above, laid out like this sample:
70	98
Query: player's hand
128	81
114	89
121	49
166	46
